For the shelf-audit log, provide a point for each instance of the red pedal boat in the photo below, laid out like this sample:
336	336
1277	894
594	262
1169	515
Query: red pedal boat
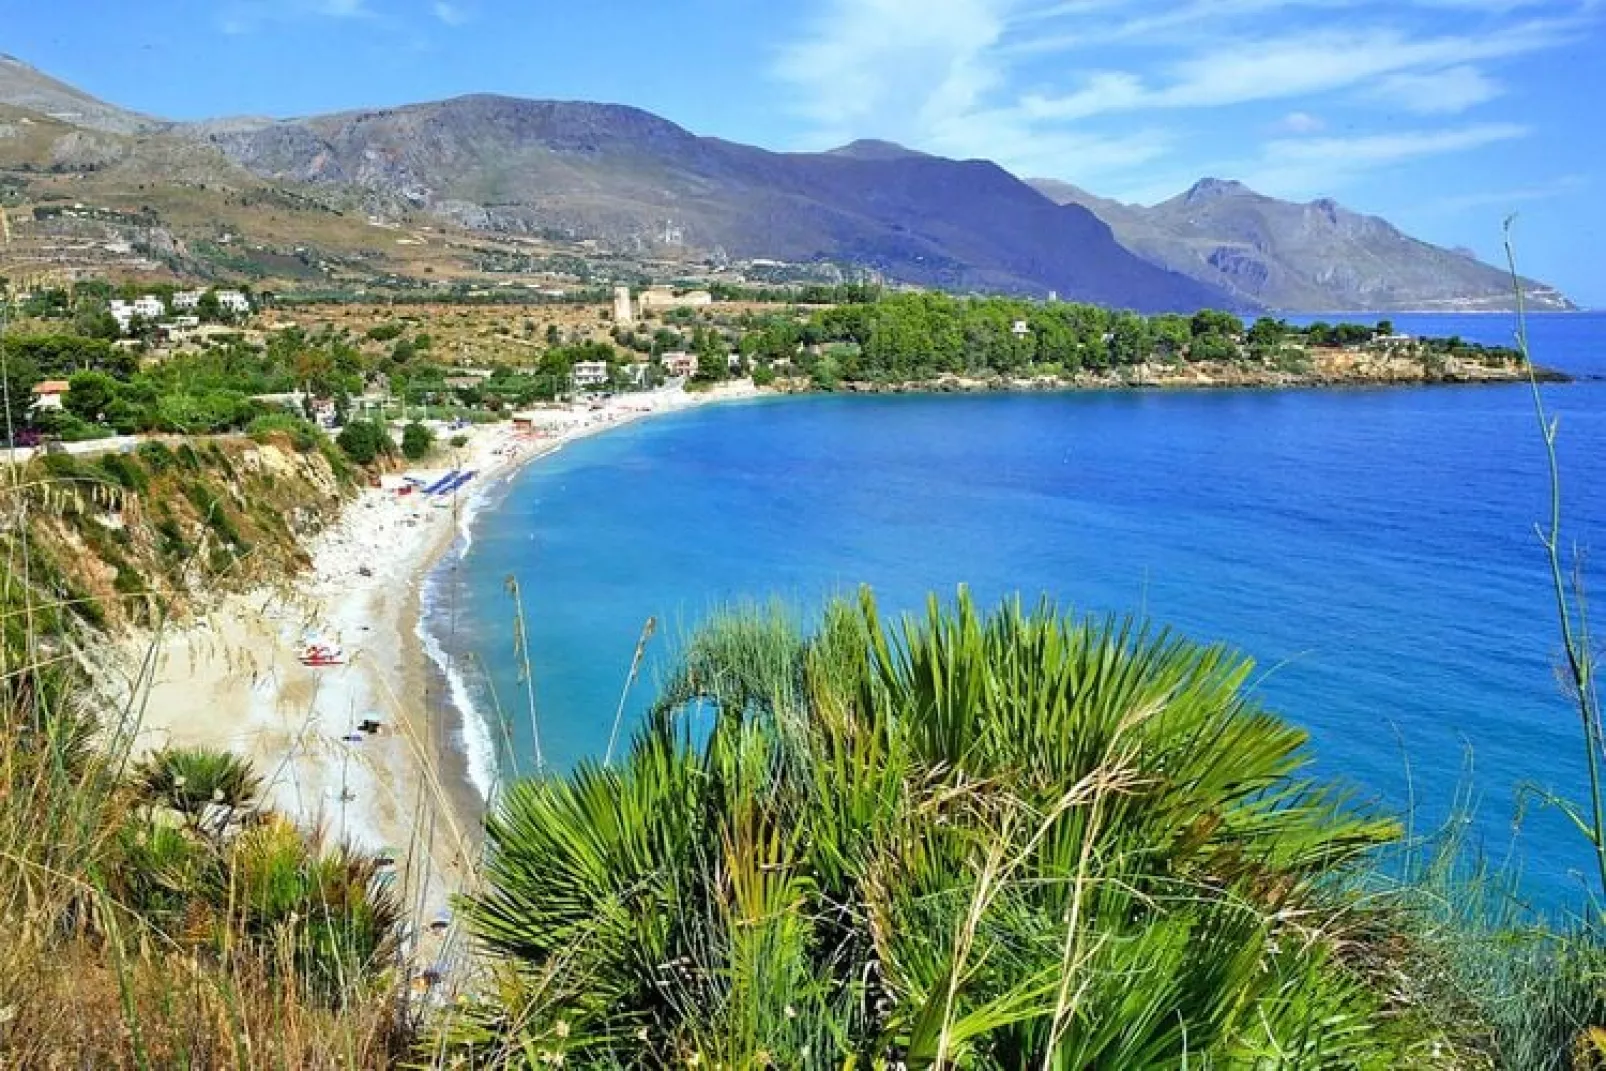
323	654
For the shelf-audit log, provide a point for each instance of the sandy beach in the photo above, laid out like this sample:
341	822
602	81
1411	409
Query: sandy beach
234	678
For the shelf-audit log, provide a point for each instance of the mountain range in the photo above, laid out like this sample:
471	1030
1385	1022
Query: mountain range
1315	257
617	179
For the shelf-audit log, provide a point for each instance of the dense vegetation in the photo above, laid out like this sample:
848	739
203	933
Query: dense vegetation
867	337
989	841
919	337
157	915
1018	840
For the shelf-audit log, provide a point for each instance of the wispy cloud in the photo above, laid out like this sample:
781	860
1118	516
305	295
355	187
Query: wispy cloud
1507	200
1445	92
449	13
1306	166
1101	90
245	16
1303	65
1299	123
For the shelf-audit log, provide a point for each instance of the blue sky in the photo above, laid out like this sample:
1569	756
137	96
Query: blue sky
1443	115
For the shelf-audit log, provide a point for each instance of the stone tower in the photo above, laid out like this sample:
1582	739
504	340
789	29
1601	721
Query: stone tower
622	316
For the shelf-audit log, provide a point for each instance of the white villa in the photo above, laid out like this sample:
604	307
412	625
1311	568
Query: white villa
590	373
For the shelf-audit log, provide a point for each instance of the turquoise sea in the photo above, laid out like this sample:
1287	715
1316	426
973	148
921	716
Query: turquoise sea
1372	549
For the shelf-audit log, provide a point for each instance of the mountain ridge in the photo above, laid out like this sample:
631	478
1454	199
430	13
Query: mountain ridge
624	176
1317	256
633	182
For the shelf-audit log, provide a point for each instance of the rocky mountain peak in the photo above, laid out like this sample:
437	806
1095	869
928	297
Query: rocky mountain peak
1211	189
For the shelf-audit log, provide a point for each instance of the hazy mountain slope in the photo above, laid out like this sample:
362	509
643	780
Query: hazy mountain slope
25	87
637	181
564	172
1316	257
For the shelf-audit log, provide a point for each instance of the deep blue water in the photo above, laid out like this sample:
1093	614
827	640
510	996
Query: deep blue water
1372	549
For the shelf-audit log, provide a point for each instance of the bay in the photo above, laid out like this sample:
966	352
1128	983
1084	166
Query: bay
1372	549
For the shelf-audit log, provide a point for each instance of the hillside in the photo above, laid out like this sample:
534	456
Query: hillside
1316	257
551	196
635	181
23	86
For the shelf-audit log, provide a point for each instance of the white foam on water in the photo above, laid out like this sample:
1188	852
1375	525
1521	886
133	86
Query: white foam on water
478	744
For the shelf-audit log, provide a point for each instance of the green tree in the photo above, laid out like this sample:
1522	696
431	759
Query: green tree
416	441
1267	333
21	376
1214	348
1215	322
90	395
364	441
94	320
1130	339
713	356
210	309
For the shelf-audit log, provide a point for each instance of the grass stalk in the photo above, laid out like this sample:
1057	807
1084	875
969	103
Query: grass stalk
1577	658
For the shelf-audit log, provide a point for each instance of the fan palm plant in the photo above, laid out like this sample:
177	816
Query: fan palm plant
207	787
1010	840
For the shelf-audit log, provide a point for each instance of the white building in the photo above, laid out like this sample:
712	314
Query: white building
234	301
149	308
187	300
590	373
680	364
48	395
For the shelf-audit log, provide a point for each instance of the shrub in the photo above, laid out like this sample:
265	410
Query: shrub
1017	840
156	455
214	513
365	440
303	434
416	441
126	471
459	440
197	782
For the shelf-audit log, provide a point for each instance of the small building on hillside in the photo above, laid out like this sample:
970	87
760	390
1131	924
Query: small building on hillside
187	300
664	297
47	396
149	308
680	364
590	373
234	301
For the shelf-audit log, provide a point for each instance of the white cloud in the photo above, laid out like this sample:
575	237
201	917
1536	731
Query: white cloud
1303	65
1006	80
1300	123
870	60
1506	200
449	13
245	16
1304	167
1443	92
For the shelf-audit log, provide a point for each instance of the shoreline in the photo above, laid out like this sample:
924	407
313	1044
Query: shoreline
417	789
231	677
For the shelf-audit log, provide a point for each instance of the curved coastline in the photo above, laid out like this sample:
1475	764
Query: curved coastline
470	727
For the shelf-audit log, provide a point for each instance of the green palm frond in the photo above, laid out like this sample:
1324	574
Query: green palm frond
961	839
